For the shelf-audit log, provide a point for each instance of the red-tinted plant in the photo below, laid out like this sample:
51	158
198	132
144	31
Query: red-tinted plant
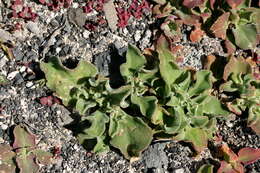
49	100
21	11
235	162
123	16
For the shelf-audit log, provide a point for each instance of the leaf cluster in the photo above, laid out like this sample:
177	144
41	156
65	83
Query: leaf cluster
235	21
23	156
231	162
158	99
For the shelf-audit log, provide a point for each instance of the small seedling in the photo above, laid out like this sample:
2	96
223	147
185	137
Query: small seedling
24	154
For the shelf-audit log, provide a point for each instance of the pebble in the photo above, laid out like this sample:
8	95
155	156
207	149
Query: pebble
5	36
3	61
181	170
4	126
33	27
137	35
86	34
12	75
29	84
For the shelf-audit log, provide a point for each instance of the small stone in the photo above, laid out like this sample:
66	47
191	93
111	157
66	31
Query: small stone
58	49
33	27
181	170
5	36
18	55
86	34
29	84
137	35
4	126
22	69
12	75
3	61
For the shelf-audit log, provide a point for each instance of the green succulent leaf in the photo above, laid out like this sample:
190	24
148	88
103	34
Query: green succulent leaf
207	168
253	120
61	79
23	137
203	82
127	133
118	96
92	131
245	36
147	104
168	69
26	162
199	121
97	127
43	157
211	105
174	122
135	61
198	137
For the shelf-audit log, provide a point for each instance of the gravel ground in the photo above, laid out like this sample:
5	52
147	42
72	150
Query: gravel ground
61	33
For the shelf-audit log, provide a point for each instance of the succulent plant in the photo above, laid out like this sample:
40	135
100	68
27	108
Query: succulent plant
156	94
239	79
233	162
236	22
23	154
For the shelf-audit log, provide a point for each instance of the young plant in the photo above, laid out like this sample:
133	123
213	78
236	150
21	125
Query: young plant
157	98
236	22
233	163
23	154
107	122
240	80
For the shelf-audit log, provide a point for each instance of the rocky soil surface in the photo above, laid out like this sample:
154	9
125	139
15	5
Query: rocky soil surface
62	33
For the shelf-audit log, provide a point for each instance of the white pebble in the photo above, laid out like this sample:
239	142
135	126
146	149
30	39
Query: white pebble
29	84
12	75
4	126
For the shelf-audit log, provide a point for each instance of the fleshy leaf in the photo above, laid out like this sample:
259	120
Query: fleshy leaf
228	168
147	104
43	157
193	3
234	3
118	96
207	168
199	121
220	26
198	137
127	134
7	156
245	36
196	34
92	129
135	61
212	105
236	66
168	69
254	118
26	162
248	155
23	137
97	126
61	79
203	82
173	122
